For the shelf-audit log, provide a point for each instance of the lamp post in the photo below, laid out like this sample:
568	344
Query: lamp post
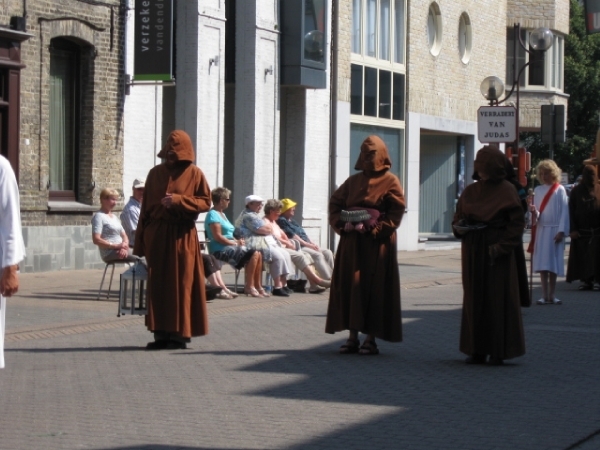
492	87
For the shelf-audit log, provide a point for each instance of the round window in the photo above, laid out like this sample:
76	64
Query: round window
434	29
465	38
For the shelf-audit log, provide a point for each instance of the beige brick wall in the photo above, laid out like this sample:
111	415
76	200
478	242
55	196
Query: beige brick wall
99	27
531	14
442	85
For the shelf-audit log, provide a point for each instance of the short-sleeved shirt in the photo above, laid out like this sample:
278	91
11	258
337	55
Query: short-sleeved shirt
248	222
130	217
109	229
227	229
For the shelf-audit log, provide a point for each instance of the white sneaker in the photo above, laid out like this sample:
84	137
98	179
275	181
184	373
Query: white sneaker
541	301
557	301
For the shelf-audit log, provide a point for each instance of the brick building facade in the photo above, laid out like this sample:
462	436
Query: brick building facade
71	134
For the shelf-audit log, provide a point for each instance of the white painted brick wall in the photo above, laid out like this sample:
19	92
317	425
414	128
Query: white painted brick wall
142	122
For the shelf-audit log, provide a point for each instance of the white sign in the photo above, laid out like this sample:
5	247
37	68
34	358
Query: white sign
497	124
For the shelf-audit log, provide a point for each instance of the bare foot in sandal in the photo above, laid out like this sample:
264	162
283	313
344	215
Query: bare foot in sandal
369	347
351	346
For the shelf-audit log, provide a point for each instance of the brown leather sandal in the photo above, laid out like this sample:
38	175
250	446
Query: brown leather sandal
368	348
351	346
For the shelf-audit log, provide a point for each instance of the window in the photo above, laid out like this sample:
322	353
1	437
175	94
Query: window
434	29
63	118
314	29
377	93
378	29
464	38
545	69
377	76
378	52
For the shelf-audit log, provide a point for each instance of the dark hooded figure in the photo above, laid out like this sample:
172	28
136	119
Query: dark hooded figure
176	192
511	177
365	289
490	221
584	212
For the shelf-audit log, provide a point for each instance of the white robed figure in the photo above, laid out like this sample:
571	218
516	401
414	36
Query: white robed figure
548	254
12	247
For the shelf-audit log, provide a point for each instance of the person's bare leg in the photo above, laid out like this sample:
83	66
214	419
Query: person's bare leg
551	286
249	278
544	282
258	271
215	281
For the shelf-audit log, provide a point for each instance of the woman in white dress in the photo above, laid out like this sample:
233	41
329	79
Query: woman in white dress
552	225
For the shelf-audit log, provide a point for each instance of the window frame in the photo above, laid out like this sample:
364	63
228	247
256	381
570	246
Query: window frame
362	28
65	45
366	62
553	64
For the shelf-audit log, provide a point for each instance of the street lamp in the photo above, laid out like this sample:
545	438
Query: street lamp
492	87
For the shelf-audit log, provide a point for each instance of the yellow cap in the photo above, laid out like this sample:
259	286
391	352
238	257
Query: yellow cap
287	204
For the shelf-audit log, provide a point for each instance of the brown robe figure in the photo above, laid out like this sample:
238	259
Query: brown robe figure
489	219
176	192
365	289
584	213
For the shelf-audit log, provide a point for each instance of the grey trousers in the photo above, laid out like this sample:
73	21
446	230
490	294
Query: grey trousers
323	260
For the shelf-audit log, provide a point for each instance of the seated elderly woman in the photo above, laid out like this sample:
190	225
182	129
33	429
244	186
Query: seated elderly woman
108	233
300	259
258	235
221	243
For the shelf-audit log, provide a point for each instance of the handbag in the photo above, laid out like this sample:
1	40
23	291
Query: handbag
297	285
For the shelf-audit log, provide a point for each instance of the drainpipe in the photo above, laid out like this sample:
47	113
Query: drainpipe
333	86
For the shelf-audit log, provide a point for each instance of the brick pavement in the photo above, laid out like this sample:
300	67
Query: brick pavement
267	377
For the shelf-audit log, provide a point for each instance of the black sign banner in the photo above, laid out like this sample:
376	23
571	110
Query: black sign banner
592	16
153	40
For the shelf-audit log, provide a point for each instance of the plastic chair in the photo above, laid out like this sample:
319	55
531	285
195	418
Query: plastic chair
113	264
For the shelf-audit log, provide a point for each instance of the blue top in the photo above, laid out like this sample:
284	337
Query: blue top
291	228
226	230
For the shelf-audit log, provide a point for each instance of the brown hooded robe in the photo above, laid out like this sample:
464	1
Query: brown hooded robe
167	237
365	289
491	315
584	213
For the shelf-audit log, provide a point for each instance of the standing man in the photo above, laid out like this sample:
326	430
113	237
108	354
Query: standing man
176	192
12	247
131	212
323	258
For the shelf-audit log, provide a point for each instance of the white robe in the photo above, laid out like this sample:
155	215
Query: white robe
12	247
548	255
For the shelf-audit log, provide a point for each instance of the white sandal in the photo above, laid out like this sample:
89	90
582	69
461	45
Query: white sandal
232	294
224	296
